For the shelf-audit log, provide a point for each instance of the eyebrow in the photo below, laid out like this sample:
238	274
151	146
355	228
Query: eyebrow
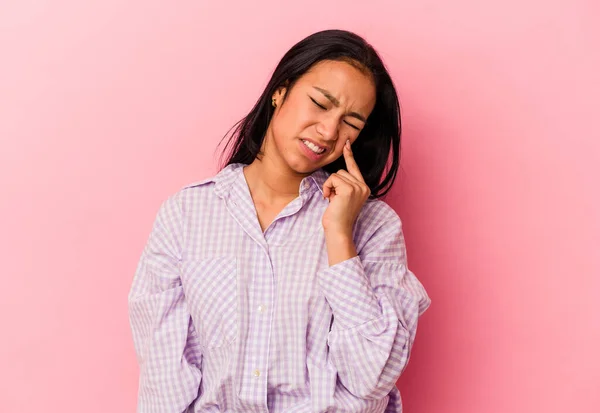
336	102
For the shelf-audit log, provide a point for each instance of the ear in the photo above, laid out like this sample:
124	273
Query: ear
279	94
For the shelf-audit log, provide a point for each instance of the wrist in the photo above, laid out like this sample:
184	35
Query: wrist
342	235
340	247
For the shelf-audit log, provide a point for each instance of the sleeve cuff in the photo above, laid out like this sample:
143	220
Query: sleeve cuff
349	293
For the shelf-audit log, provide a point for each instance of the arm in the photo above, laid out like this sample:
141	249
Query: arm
376	302
166	343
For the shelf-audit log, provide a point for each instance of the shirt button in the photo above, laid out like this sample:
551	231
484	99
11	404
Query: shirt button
261	308
256	373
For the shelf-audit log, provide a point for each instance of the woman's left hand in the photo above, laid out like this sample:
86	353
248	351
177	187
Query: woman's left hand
347	193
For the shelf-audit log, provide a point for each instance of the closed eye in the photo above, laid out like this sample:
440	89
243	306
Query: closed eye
318	104
324	108
351	125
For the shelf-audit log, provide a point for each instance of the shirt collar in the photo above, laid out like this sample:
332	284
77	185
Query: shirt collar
227	176
318	178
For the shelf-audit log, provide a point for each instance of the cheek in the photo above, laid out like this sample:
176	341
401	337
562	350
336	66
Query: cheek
297	117
339	147
281	126
343	138
284	123
285	128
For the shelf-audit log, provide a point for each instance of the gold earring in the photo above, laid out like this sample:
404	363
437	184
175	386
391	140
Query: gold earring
274	103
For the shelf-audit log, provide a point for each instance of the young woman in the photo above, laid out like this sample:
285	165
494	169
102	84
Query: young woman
281	284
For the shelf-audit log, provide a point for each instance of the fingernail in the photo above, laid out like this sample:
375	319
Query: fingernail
348	143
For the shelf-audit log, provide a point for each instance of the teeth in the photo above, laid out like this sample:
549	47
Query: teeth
313	147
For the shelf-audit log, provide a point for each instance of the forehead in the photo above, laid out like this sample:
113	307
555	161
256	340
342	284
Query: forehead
344	81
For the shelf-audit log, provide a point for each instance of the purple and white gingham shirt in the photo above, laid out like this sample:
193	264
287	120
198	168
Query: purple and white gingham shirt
226	318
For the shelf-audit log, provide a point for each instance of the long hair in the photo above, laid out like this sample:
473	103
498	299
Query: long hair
379	137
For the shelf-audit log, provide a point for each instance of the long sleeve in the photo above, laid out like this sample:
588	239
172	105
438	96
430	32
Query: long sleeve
165	341
376	302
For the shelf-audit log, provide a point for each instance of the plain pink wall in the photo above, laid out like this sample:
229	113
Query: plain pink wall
107	107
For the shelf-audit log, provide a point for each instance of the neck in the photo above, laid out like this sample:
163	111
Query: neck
271	183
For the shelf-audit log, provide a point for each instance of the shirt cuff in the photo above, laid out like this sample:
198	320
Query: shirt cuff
349	293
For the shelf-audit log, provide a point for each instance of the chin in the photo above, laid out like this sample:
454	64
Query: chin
303	171
301	167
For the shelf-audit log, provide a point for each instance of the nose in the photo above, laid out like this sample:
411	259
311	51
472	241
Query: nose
328	127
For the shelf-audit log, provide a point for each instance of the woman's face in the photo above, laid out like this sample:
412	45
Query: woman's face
326	106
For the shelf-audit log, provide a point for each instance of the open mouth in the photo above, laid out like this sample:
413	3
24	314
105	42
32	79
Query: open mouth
314	148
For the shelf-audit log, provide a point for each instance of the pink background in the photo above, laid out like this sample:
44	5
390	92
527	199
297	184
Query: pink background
107	107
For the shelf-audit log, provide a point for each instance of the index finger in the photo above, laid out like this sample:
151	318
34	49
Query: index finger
351	163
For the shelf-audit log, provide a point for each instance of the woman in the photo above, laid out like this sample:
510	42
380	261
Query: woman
281	284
